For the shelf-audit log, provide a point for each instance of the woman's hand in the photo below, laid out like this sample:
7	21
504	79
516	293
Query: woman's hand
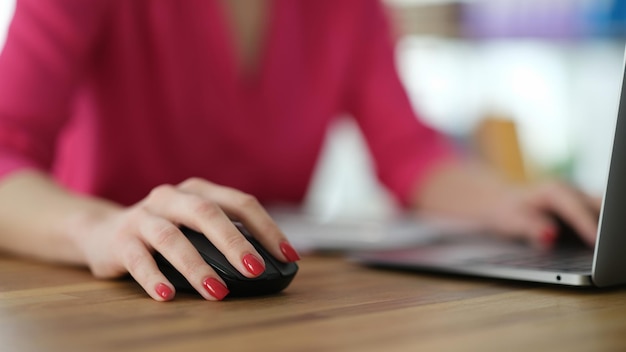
124	241
477	194
531	212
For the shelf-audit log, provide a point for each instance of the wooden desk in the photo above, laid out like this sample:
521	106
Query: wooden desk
332	305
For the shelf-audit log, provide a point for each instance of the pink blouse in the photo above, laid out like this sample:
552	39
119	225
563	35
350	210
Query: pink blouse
114	97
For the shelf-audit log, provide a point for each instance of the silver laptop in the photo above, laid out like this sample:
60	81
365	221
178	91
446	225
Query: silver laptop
568	263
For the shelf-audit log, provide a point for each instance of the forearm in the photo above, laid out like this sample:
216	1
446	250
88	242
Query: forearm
465	189
40	219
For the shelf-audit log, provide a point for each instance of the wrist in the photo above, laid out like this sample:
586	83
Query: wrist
80	225
467	190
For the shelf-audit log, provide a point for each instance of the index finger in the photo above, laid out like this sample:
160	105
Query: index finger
207	217
247	209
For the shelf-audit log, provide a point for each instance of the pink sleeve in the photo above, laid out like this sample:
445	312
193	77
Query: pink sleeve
403	148
43	58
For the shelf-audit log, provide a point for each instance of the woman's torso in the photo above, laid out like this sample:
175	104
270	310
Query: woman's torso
164	98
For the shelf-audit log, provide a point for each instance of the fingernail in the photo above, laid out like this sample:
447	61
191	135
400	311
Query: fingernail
254	266
548	235
215	288
164	291
288	251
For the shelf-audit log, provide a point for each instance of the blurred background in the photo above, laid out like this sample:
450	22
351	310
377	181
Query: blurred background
531	85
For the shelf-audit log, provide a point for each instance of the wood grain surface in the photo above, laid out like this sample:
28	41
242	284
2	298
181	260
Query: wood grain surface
332	305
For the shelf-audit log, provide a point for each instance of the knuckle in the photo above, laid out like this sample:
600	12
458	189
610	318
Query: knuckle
165	235
158	193
247	201
189	267
235	243
192	183
204	208
134	216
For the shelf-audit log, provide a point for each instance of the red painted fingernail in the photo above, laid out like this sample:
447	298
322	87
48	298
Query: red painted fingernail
215	288
254	266
548	235
164	291
289	252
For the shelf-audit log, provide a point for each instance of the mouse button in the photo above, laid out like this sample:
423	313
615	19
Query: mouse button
568	237
223	268
284	269
287	269
202	244
212	255
207	250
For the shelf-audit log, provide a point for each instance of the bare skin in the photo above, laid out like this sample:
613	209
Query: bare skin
248	29
476	193
40	219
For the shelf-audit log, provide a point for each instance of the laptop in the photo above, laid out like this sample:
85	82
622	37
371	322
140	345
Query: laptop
312	232
568	263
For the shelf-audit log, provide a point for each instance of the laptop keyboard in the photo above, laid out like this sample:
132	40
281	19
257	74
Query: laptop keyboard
564	261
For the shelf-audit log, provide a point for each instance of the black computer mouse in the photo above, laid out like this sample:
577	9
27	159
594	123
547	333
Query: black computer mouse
277	275
567	236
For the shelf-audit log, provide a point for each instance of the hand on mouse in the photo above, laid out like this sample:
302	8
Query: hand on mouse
123	242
